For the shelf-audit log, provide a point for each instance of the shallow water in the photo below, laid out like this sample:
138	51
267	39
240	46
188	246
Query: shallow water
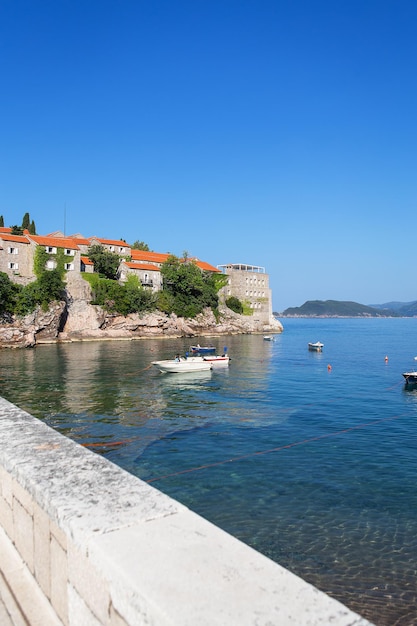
313	467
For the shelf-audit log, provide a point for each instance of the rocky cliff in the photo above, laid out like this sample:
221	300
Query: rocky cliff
77	320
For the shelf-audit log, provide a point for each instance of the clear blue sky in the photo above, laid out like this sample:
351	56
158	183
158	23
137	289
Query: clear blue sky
275	133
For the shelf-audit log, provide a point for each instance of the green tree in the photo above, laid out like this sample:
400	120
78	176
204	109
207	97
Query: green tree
140	245
105	262
16	230
25	221
32	228
189	290
9	292
1	221
234	304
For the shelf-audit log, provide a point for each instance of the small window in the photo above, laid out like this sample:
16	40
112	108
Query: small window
111	248
13	266
69	266
50	265
50	249
68	252
13	250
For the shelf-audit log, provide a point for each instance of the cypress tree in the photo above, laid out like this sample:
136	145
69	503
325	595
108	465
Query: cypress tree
25	221
1	221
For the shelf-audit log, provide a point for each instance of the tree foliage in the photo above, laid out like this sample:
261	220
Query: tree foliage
9	292
26	221
234	304
187	290
140	245
1	221
105	262
122	299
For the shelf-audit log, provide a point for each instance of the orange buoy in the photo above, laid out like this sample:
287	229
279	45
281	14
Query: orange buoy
329	368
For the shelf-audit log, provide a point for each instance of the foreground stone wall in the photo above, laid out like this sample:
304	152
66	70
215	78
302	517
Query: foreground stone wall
98	546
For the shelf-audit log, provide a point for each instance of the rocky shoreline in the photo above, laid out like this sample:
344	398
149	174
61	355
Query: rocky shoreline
75	319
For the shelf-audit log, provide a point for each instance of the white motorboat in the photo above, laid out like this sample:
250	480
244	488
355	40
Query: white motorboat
217	360
410	378
214	359
317	347
268	338
181	364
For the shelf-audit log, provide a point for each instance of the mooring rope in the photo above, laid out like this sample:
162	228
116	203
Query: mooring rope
277	449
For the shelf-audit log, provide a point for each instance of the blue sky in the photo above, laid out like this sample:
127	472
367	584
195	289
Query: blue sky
275	133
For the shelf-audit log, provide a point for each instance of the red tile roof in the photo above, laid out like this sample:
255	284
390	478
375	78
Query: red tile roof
55	242
86	260
15	238
142	266
110	242
206	266
142	255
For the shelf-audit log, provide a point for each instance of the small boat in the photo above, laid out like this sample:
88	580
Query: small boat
410	378
214	359
217	360
317	347
181	364
202	349
268	338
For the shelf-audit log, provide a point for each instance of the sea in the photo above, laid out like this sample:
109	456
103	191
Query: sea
308	457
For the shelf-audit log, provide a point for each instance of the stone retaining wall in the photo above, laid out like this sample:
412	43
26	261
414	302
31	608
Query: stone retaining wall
104	548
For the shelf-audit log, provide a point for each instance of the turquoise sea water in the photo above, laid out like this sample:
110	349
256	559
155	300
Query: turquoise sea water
315	468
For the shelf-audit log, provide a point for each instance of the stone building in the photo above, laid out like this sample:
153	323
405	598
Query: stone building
250	284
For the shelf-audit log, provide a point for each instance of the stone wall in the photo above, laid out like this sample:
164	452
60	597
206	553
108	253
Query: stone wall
98	546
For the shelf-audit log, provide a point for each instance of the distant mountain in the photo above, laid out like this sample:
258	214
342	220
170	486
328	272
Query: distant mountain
403	309
336	308
394	306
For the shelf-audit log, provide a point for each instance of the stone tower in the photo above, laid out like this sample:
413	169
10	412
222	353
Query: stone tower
250	284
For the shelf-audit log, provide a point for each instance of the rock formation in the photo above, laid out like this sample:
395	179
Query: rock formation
78	320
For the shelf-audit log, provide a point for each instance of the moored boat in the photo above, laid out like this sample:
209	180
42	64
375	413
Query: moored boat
202	349
410	378
214	359
183	365
317	346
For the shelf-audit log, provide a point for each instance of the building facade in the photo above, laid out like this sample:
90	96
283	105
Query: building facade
250	284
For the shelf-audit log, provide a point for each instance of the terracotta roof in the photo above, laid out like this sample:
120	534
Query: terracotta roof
15	238
81	241
111	242
5	229
206	266
86	260
142	255
142	266
55	242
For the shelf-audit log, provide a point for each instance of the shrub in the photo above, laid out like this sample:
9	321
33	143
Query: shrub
234	304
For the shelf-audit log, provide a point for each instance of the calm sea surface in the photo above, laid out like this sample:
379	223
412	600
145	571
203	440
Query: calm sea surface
314	468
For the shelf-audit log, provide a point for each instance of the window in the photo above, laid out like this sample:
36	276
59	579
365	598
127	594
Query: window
13	266
50	249
50	265
13	250
121	250
111	248
69	266
68	252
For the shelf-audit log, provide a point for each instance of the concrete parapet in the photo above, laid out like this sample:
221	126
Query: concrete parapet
97	546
